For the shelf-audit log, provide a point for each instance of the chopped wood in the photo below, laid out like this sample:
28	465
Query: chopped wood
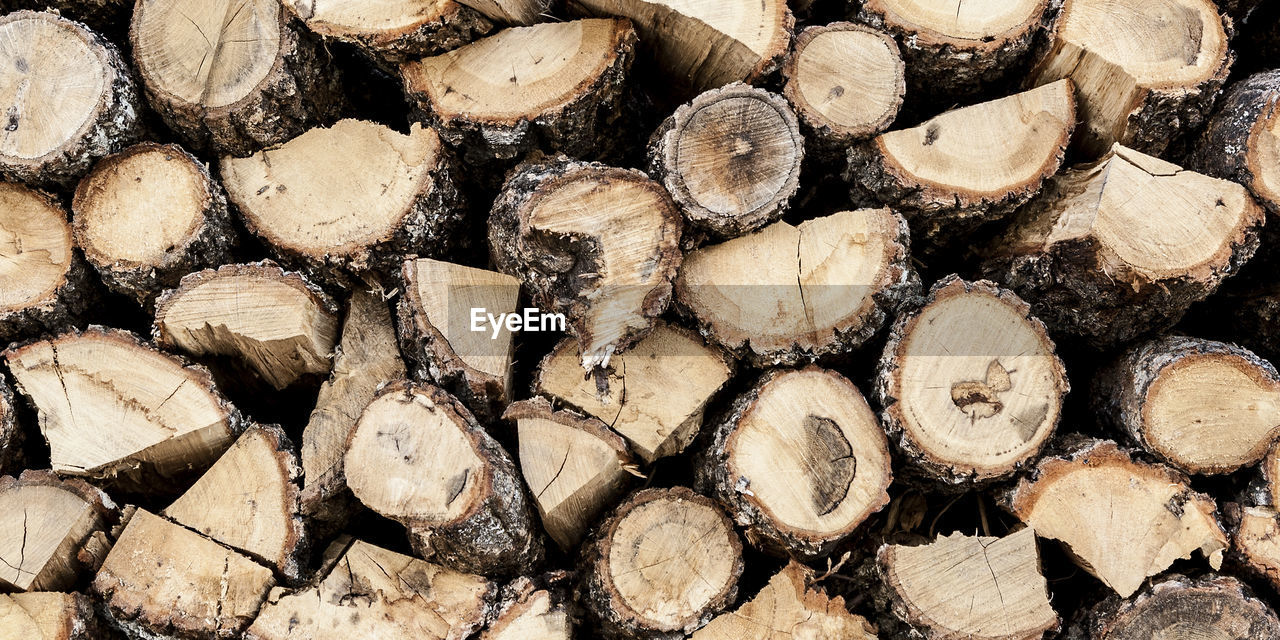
419	457
47	615
598	244
532	610
790	606
392	31
43	523
1255	542
1179	607
575	467
1241	142
282	327
518	12
654	394
851	271
1076	497
800	462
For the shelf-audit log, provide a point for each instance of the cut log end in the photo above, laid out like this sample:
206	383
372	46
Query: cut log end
528	612
1242	140
48	615
790	605
43	523
1178	607
38	268
393	32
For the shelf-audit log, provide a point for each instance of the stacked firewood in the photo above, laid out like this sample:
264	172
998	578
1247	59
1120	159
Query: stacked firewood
624	319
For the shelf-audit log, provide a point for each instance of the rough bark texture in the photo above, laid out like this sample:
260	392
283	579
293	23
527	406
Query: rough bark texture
1178	606
48	615
70	520
12	438
1230	146
449	27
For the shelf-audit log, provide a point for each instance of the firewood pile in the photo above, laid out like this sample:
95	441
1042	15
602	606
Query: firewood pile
639	319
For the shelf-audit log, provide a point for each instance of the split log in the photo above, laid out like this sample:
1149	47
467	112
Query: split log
800	462
392	32
1143	74
278	324
1178	607
68	99
43	523
846	82
113	408
1123	521
1242	140
971	384
164	581
229	76
663	564
1122	247
730	159
419	457
366	358
704	46
49	615
532	610
969	166
370	592
851	271
556	85
598	244
518	12
974	587
1255	543
248	500
575	467
438	330
790	606
1202	406
149	215
963	50
44	284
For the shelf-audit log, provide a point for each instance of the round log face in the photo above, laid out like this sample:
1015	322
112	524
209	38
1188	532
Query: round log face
1165	43
846	79
1210	608
35	248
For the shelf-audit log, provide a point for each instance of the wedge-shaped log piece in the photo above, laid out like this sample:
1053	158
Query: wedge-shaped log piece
532	609
47	615
575	467
357	195
162	580
419	457
554	83
248	500
800	461
113	408
1242	140
596	243
830	285
969	166
43	523
1122	247
392	31
438	314
654	394
1123	521
976	587
1143	72
1178	607
372	593
277	323
790	606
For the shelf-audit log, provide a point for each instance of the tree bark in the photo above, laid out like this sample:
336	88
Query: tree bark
1210	606
392	33
533	609
1239	142
47	615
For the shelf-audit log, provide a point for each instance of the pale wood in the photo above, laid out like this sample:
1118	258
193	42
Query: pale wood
532	610
1255	541
48	615
1215	607
44	285
654	394
1241	142
392	31
791	606
518	12
43	523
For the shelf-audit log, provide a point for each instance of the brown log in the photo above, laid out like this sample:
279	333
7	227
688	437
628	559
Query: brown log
392	32
1179	607
1240	141
47	615
43	523
790	606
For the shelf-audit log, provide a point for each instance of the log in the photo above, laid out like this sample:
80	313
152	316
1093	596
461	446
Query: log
438	330
1122	247
68	99
969	166
663	564
851	271
47	615
971	384
300	197
419	457
846	82
103	16
278	324
43	523
730	159
1241	142
163	581
964	50
553	85
597	244
1202	406
45	283
370	592
654	395
391	33
532	609
113	408
574	466
231	77
790	606
704	46
976	587
800	462
149	215
248	500
517	12
1255	543
12	436
1180	607
1075	498
365	359
1143	74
